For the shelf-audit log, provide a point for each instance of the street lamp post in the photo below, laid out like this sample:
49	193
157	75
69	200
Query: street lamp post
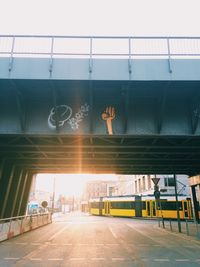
177	206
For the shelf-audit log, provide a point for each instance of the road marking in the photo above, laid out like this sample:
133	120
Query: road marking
143	245
117	259
182	260
58	233
67	244
21	243
77	259
143	259
11	258
35	244
113	233
161	259
55	259
35	259
97	259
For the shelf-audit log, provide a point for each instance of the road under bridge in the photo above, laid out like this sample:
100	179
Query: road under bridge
95	113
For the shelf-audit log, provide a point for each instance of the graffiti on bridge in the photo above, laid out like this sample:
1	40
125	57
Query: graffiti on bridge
108	115
64	114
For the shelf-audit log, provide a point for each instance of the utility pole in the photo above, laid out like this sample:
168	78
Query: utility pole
177	207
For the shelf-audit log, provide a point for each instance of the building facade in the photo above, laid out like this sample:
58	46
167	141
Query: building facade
143	184
123	186
137	185
97	188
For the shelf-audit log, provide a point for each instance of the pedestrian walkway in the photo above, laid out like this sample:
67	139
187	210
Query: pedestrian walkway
189	228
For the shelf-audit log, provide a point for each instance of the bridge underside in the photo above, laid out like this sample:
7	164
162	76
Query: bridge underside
102	154
101	126
124	127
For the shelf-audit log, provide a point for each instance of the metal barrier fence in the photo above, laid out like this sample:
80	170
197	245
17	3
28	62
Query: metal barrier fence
188	227
14	226
98	46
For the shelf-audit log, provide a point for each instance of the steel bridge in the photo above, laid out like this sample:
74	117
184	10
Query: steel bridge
78	104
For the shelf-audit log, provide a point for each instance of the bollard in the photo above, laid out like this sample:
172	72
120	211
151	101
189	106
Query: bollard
170	223
163	223
158	221
187	227
197	231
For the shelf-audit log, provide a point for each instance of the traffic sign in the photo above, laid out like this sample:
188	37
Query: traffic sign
44	204
155	180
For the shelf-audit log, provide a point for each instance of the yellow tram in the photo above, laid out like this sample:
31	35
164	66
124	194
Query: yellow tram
141	206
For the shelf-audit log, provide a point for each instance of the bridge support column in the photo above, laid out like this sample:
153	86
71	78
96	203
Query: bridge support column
195	203
6	180
19	193
24	193
2	164
2	186
195	184
16	188
13	192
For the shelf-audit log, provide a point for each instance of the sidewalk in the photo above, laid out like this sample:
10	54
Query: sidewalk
188	228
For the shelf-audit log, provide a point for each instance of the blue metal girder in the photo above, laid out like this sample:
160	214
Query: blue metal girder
74	107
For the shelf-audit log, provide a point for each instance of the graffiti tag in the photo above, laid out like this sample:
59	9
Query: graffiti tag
79	116
64	115
64	112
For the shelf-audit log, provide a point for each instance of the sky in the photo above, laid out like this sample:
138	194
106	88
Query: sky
100	17
68	184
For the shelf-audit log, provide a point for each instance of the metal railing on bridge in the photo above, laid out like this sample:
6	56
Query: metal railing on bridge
91	47
98	46
10	227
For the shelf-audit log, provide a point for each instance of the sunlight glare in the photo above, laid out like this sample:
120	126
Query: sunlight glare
68	184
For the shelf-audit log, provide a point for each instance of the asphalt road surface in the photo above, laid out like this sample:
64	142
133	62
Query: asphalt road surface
92	241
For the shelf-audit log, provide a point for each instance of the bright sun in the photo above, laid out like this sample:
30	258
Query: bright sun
68	184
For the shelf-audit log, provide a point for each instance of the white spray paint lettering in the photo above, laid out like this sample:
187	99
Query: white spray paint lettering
79	116
64	115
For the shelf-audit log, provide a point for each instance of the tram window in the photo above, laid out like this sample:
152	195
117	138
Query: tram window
95	205
144	205
123	205
185	206
171	205
169	181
